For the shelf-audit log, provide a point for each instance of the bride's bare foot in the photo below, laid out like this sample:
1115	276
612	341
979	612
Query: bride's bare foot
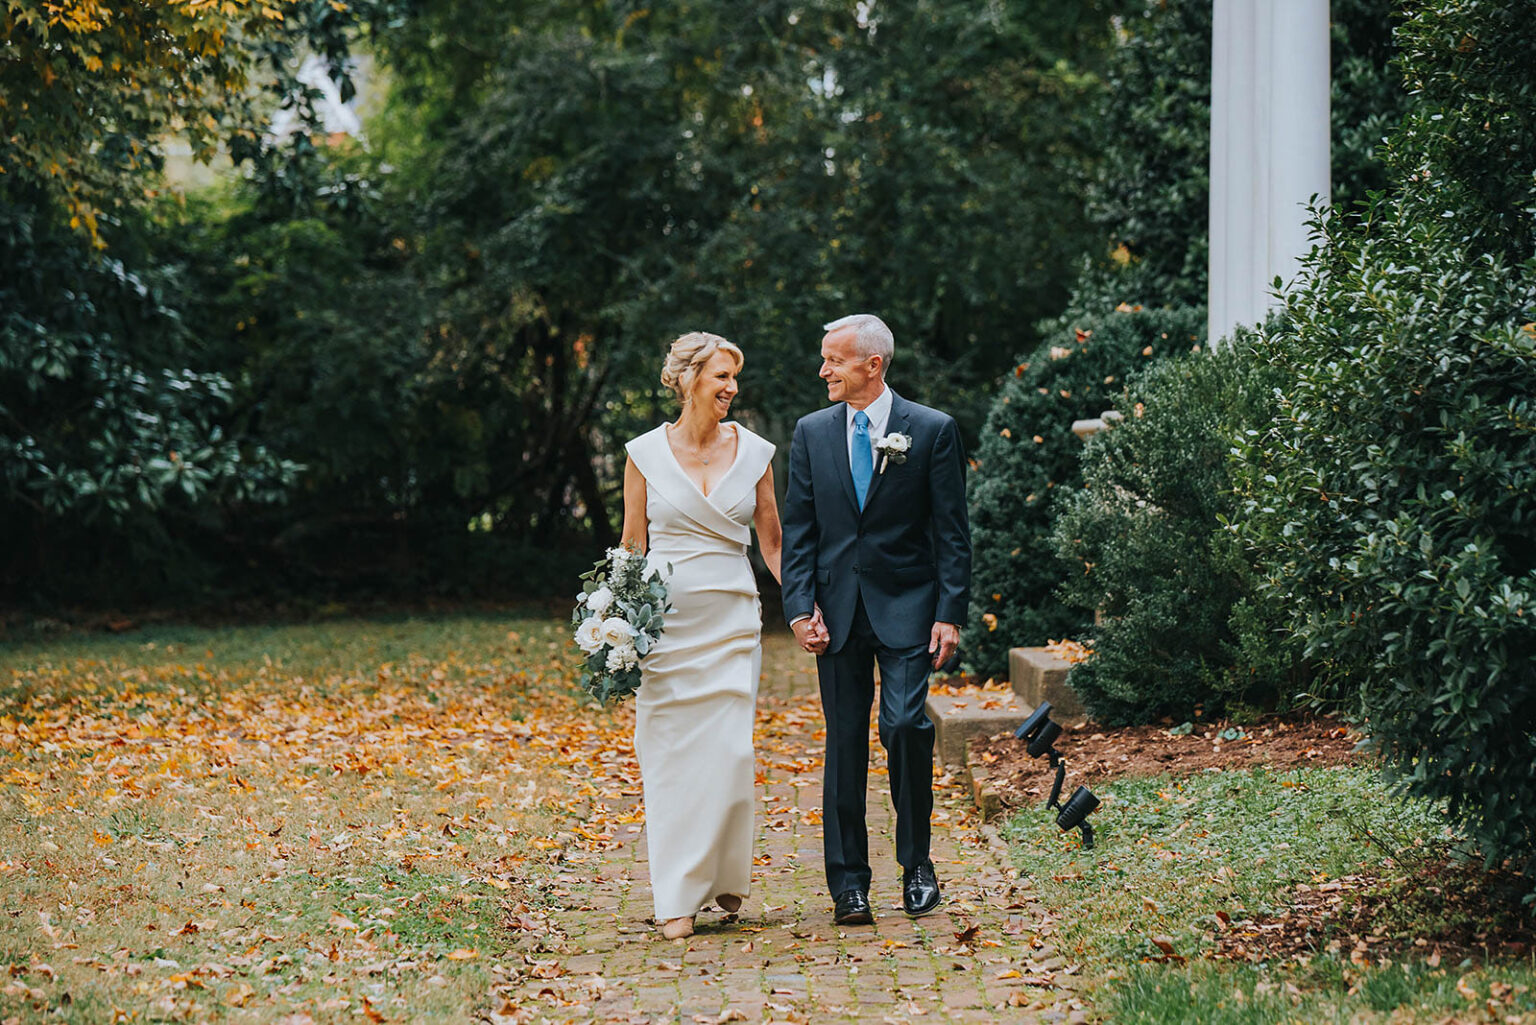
729	903
677	928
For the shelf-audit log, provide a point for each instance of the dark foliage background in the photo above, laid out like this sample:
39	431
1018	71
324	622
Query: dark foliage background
402	365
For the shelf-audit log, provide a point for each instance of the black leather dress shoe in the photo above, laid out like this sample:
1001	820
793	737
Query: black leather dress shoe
920	889
852	908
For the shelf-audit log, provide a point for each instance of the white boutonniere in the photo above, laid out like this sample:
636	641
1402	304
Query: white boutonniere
893	448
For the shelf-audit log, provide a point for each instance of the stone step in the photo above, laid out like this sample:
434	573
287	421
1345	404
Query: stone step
957	718
1038	675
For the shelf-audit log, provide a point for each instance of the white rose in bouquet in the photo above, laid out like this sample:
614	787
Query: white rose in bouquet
600	601
617	632
589	635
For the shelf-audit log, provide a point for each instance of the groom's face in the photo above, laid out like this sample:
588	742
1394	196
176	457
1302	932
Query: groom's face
850	377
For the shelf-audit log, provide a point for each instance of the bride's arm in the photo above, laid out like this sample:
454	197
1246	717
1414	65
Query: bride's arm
634	534
770	536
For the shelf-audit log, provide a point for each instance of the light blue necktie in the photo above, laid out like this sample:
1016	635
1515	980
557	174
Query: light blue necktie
861	459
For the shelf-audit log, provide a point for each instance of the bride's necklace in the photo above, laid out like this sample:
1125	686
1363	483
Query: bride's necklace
698	453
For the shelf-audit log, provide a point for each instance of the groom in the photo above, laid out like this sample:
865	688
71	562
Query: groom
877	569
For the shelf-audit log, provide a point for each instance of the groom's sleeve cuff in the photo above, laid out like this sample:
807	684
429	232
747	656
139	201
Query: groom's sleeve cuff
797	619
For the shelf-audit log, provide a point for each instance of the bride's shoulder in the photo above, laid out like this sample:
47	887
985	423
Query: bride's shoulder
648	440
754	444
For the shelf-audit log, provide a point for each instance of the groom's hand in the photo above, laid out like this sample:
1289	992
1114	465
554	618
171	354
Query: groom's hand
812	634
943	642
822	638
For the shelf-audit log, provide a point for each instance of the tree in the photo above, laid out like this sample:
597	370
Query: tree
596	180
90	91
111	421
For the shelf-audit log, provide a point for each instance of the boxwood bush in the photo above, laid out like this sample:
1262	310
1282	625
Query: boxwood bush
1393	504
1149	539
1028	452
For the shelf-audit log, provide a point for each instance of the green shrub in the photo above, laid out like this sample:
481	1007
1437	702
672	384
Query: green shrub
1391	505
1147	535
1028	452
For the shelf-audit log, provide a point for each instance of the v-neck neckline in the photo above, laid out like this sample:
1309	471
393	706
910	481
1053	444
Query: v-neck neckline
666	438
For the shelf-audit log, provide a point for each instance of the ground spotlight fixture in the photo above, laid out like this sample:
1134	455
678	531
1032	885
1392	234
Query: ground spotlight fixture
1044	742
1074	814
1041	733
1038	718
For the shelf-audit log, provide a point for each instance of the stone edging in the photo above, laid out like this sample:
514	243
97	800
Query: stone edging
988	802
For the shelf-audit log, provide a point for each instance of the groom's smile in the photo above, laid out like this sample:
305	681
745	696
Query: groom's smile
851	376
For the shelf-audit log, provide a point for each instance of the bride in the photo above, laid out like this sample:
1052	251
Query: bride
692	491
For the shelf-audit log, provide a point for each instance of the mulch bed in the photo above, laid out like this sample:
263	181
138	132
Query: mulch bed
1096	754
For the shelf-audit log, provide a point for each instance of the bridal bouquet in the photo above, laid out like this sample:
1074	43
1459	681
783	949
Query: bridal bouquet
618	619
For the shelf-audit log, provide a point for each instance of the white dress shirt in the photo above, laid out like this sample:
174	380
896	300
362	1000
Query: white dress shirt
879	413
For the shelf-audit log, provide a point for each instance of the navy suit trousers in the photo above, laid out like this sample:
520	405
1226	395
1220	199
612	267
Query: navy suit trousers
847	692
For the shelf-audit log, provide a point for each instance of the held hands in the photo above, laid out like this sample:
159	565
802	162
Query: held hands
812	633
813	637
943	642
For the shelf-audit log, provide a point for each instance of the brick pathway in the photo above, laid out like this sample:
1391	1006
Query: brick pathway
987	956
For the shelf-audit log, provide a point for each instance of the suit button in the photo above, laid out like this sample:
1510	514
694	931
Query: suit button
855	569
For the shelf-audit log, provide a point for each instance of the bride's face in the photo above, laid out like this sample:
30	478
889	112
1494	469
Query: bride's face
715	386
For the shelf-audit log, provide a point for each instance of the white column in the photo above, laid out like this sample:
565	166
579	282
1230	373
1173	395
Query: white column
1269	149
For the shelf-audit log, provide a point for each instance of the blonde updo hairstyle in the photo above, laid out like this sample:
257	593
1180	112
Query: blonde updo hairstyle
687	357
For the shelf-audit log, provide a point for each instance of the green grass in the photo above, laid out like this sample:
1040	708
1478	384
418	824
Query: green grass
315	652
1244	995
1172	853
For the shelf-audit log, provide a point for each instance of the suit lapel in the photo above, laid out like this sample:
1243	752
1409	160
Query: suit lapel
896	423
837	438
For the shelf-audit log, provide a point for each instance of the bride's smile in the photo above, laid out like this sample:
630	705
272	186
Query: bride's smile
722	383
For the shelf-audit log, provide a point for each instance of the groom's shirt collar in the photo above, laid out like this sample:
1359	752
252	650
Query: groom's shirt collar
879	413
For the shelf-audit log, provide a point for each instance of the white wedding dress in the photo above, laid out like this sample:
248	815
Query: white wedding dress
694	710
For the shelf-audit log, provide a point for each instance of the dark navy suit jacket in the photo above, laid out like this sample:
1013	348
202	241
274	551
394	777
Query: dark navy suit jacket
908	553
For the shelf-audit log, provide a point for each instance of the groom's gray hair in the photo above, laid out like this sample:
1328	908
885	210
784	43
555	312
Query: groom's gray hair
870	335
